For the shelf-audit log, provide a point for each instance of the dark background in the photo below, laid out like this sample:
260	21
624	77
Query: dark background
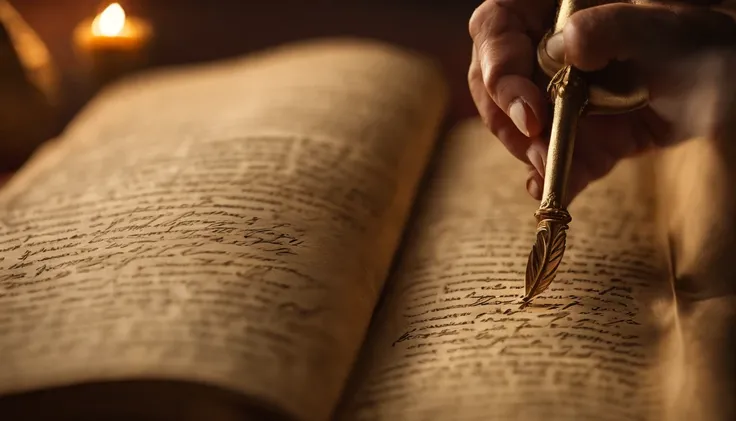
190	31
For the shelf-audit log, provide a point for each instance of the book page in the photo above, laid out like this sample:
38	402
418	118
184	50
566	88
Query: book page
451	340
229	224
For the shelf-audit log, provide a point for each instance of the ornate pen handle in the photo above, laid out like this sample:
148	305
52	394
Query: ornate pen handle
613	90
570	93
609	91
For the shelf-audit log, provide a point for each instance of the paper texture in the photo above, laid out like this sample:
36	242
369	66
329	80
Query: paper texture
450	341
231	224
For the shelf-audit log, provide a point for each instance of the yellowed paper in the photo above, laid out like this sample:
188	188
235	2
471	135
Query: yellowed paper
231	224
451	342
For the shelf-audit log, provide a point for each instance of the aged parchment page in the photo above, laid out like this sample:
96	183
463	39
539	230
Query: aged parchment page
450	341
231	224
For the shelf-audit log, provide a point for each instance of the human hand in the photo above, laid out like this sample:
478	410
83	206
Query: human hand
663	42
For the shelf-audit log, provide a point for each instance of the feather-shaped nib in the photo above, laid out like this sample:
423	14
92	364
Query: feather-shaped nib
570	94
547	252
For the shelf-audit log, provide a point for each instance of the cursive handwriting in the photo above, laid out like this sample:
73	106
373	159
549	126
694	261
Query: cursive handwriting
453	342
230	224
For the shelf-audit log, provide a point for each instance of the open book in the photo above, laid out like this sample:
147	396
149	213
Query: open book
292	235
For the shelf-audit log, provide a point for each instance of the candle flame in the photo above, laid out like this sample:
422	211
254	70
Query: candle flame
110	22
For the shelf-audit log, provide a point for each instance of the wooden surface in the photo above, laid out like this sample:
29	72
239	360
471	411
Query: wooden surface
190	31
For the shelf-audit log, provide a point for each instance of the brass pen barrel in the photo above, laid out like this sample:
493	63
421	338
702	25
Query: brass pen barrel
611	90
570	97
570	92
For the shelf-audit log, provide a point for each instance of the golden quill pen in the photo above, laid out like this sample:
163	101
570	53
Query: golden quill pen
612	90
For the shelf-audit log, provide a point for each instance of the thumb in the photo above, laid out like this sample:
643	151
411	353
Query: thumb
648	34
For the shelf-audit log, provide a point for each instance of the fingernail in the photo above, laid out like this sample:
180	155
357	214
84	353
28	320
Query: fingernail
535	158
517	112
556	47
532	186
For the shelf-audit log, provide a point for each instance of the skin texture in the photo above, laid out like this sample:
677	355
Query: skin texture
683	52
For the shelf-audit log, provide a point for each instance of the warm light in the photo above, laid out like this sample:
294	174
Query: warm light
110	22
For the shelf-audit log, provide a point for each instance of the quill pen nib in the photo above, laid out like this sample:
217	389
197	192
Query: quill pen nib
570	93
547	251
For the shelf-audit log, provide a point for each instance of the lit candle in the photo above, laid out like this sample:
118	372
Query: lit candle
113	44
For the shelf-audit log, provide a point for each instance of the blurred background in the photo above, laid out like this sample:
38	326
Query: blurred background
191	31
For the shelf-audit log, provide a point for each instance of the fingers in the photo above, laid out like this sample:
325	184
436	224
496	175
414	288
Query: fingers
537	156
497	121
654	37
647	34
704	108
534	184
503	32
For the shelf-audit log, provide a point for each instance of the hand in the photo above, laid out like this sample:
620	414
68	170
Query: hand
663	42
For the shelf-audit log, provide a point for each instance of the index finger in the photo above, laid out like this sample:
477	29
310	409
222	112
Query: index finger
505	33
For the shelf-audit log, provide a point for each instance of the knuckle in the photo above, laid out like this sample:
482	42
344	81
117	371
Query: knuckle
493	65
476	23
485	18
490	76
496	68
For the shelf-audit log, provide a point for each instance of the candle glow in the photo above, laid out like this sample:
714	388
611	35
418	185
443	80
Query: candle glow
110	22
112	44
